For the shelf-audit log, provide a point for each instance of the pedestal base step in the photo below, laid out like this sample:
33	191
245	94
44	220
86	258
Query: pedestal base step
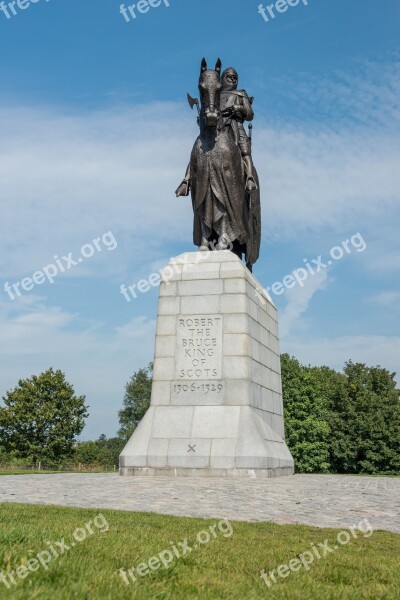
234	441
179	472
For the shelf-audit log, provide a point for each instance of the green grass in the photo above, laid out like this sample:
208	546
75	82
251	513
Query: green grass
226	567
47	472
25	472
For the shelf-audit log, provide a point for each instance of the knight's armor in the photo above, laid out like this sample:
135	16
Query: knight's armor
236	108
232	100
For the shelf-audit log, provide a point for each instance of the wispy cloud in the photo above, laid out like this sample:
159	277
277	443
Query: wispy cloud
298	302
34	337
387	299
69	177
334	352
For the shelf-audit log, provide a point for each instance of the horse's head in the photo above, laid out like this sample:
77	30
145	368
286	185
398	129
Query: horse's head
210	93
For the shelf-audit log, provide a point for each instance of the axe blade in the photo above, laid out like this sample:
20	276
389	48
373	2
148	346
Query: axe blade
193	102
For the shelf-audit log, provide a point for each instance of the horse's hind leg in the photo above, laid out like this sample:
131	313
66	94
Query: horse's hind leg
237	249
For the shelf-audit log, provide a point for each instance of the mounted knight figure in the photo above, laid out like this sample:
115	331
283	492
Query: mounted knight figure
221	176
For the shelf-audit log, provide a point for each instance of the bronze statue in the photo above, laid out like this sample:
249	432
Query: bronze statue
221	176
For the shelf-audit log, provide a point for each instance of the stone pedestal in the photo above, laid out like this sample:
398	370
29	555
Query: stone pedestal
216	405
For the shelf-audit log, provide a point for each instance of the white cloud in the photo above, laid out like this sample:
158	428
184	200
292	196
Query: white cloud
315	181
34	337
387	299
383	259
67	178
334	352
298	301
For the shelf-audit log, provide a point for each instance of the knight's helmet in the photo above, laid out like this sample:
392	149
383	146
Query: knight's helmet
226	85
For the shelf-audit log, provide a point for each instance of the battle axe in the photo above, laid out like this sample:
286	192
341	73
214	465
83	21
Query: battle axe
193	102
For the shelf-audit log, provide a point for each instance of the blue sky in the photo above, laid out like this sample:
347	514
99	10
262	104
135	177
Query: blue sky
96	134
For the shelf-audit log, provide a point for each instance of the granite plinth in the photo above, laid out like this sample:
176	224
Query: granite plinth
216	405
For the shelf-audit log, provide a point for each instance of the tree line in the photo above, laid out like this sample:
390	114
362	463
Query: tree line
335	422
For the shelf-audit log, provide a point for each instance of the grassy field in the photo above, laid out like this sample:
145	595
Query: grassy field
25	472
12	471
228	566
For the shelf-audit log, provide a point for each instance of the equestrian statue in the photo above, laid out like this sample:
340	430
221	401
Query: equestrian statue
221	176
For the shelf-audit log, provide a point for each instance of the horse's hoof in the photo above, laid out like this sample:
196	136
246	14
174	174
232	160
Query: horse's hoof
204	248
223	244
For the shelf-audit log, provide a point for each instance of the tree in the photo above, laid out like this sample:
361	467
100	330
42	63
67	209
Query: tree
335	422
111	448
41	417
365	422
103	452
136	401
305	397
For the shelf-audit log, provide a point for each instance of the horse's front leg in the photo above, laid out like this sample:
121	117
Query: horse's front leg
223	240
205	245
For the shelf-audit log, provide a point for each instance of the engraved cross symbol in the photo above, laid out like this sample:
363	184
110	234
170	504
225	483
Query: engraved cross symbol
192	448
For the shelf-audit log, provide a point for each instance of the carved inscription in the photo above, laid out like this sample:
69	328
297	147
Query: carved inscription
199	347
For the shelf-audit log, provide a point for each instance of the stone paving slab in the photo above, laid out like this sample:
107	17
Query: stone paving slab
319	500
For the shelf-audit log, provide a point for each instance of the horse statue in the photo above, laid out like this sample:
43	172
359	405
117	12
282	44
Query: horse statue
224	184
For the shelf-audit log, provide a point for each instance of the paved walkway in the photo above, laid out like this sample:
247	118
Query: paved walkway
320	500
